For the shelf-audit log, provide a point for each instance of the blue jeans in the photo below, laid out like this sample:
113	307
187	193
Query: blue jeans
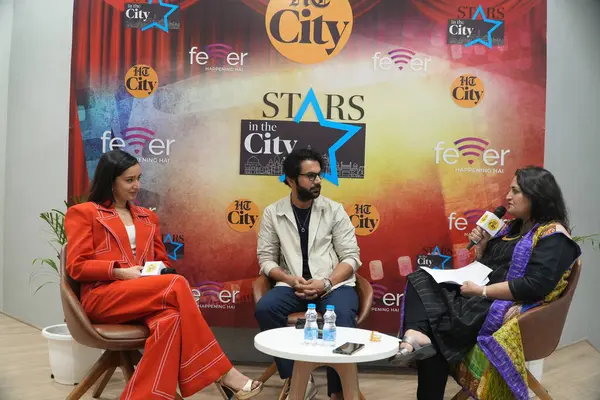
273	309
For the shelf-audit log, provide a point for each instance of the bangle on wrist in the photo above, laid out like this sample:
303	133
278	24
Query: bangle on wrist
483	293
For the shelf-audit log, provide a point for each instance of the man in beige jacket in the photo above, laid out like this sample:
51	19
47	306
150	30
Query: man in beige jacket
308	246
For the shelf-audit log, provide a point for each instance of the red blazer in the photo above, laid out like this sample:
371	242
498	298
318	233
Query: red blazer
98	242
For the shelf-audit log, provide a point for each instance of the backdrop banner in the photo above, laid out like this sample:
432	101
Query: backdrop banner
422	110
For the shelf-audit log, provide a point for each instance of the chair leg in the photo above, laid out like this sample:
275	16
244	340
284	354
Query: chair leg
269	372
285	389
225	392
100	388
136	357
462	395
537	387
106	361
127	365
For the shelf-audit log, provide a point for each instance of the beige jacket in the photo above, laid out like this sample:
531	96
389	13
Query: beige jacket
331	240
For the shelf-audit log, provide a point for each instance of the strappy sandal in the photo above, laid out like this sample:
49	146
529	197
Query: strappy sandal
244	393
419	352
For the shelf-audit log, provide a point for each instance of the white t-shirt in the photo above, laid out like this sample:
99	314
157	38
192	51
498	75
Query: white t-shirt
131	234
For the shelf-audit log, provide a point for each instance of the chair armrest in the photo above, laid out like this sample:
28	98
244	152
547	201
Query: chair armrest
542	327
365	299
78	323
260	287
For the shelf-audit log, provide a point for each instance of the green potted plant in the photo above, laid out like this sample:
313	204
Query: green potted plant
594	240
69	360
55	219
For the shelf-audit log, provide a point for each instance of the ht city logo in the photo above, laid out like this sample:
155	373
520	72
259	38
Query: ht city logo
309	31
141	81
467	91
242	215
364	216
154	14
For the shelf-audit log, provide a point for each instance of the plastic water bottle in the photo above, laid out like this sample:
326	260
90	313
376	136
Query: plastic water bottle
310	328
329	330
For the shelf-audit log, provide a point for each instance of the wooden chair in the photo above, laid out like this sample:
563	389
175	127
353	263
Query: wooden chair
541	329
365	301
121	342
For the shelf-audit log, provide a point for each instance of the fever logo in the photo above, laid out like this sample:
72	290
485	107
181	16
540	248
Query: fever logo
471	147
137	137
401	57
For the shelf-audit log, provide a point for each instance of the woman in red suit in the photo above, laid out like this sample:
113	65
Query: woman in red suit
109	240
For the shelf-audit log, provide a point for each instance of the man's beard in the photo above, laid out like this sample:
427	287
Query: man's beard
307	195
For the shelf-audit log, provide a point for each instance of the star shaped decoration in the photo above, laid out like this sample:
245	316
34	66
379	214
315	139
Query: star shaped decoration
176	246
437	252
488	42
351	130
165	25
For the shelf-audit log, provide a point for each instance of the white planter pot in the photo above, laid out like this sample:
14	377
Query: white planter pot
69	361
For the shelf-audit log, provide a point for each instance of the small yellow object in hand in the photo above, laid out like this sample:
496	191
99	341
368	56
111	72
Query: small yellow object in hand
375	336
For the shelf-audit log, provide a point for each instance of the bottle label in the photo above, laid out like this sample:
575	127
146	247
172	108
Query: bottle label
310	334
329	335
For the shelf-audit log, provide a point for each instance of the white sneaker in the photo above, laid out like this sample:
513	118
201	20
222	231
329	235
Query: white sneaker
311	390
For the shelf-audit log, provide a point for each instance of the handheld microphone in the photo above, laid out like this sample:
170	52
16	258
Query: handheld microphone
491	223
168	271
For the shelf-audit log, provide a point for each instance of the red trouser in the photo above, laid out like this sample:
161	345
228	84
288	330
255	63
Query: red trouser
181	347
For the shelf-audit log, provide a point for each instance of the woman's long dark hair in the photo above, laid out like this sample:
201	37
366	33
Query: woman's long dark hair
111	165
547	202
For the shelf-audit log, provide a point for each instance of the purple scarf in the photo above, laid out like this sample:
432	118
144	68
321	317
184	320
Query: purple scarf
490	347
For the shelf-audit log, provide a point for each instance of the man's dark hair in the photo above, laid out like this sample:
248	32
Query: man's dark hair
293	163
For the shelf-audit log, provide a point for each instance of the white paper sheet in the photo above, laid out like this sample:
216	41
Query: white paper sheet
475	272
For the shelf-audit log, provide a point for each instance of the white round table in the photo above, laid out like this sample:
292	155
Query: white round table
288	343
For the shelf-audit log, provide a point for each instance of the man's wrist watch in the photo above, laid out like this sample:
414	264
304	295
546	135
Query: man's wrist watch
327	284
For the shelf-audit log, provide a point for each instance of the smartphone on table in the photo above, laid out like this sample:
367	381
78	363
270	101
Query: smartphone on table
348	348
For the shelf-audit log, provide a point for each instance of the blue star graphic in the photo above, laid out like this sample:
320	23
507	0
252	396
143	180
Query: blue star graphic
487	43
165	26
351	130
169	239
437	252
